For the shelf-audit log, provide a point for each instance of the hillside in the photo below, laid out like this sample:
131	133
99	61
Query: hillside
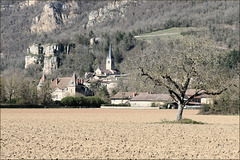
24	23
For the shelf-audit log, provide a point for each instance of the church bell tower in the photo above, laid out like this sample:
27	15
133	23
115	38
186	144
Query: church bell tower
109	64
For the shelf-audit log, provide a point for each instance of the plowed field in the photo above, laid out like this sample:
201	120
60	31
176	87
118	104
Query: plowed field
115	134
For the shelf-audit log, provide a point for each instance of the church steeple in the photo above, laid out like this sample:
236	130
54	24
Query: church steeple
109	64
110	52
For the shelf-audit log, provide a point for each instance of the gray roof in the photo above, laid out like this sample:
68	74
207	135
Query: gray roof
152	97
123	95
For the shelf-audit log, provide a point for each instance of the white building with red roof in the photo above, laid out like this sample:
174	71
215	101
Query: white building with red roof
66	86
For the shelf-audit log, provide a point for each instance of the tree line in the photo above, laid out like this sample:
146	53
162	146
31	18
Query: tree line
17	89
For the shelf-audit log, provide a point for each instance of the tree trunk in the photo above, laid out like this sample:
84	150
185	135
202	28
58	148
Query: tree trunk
179	112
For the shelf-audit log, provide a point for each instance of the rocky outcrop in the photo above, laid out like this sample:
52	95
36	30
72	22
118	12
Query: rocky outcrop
45	55
111	11
53	16
50	65
33	54
29	60
27	3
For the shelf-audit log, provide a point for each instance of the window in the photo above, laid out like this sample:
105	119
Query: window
71	90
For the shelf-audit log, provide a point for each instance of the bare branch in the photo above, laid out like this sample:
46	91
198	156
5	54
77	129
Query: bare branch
199	93
176	95
172	82
156	81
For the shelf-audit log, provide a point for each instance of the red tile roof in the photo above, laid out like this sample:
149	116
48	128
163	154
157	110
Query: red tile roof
60	83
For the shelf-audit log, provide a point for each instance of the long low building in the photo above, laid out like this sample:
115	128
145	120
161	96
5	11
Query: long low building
122	97
145	99
149	100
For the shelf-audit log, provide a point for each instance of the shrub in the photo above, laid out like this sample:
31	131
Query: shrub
165	105
183	33
153	105
12	101
205	108
21	101
80	101
69	101
93	101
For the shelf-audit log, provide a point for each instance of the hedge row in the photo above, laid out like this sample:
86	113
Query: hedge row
82	101
21	106
128	105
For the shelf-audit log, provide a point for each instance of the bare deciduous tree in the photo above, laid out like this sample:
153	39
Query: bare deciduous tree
183	64
44	94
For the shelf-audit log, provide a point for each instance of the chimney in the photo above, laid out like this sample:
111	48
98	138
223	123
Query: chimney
133	94
56	81
74	78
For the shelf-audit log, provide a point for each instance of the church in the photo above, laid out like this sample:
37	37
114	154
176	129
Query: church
109	70
107	77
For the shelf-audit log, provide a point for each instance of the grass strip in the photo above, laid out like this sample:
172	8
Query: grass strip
183	121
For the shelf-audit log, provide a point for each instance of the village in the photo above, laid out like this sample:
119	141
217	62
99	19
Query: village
74	86
119	79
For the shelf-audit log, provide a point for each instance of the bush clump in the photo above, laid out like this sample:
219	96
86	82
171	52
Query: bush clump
82	101
127	105
69	101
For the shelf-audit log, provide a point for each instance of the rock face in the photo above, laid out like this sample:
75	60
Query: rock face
29	60
33	54
45	55
53	16
50	65
27	3
111	11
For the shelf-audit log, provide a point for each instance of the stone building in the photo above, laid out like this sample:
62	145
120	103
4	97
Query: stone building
103	73
66	86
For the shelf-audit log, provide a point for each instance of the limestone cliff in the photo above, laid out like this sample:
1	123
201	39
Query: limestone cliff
54	15
33	54
45	55
109	12
50	65
27	3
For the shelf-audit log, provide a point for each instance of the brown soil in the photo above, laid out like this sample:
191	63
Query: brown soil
115	134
